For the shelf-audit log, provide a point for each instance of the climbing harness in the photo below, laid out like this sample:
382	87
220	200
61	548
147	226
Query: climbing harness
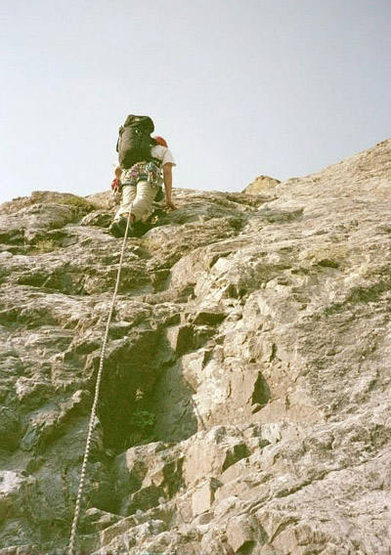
142	171
76	516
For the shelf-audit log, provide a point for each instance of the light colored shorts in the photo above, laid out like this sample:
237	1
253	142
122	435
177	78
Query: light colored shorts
138	200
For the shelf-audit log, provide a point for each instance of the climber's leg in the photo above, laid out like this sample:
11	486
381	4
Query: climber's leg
142	204
128	196
118	226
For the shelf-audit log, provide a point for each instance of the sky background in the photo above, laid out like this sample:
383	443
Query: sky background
238	88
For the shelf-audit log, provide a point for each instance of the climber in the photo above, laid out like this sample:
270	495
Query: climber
145	163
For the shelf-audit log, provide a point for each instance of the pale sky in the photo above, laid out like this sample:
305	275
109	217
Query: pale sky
238	88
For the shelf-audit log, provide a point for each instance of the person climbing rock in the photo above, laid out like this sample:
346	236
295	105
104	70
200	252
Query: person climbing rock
145	164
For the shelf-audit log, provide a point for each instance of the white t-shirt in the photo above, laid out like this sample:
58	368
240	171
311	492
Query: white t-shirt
163	153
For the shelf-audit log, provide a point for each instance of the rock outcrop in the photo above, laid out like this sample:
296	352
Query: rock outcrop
261	184
245	398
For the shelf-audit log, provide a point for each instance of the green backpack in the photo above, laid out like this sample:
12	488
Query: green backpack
134	141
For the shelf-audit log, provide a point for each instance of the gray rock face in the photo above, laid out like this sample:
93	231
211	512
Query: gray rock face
245	398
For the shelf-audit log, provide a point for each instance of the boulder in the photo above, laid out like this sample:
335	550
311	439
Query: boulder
261	184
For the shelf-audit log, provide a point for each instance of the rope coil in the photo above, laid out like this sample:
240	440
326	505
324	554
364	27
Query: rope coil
72	539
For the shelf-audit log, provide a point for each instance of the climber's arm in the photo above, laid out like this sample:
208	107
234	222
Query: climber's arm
167	178
116	184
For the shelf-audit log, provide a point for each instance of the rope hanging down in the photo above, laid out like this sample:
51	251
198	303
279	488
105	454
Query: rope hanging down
95	403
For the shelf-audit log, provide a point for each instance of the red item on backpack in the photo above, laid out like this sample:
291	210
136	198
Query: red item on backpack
161	141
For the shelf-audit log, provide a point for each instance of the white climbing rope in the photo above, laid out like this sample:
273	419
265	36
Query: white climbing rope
79	498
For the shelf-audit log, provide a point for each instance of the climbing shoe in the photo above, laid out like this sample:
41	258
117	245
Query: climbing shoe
118	228
114	229
139	228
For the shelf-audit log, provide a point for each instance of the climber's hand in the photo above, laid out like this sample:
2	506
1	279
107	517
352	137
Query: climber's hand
170	205
115	185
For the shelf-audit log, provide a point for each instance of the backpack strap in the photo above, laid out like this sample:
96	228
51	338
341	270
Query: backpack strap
157	162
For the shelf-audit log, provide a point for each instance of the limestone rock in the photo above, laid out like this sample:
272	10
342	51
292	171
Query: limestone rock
261	184
202	499
244	403
243	533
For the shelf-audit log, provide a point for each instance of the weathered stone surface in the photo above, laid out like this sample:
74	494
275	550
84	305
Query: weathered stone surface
261	184
244	402
203	497
243	533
